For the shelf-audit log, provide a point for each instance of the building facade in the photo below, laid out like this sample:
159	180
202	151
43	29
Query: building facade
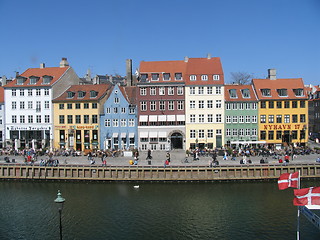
161	103
76	117
241	114
118	128
204	96
2	117
28	105
283	111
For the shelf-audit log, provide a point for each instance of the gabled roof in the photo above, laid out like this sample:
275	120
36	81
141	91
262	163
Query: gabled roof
55	72
129	93
101	89
238	89
289	83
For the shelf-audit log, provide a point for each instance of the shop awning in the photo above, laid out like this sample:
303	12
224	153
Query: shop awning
162	118
171	118
162	134
123	135
144	134
153	118
143	118
181	118
131	135
248	142
153	134
115	135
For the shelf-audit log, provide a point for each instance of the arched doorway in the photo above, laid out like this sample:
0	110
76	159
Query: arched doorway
176	140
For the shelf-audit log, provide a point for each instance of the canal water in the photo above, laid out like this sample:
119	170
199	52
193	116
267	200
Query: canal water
211	210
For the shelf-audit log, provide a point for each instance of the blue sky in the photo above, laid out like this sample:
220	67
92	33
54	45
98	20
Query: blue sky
249	35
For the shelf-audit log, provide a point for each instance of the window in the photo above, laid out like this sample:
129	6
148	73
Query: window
93	94
248	132
210	133
278	135
69	105
153	91
38	119
21	105
47	79
46	92
263	135
170	105
294	118
162	105
210	118
266	92
13	92
228	106
201	103
155	76
144	77
241	119
209	104
29	92
192	133
302	104
294	104
192	90
30	104
298	92
271	118
241	106
241	132
302	118
209	90
218	104
116	100
216	77
143	91
22	119
123	110
180	105
193	77
228	132
279	104
192	118
233	93
61	106
123	122
115	123
254	132
234	132
70	119
218	90
108	110
46	104
115	110
61	119
254	106
228	119
180	90
247	119
270	135
234	106
86	119
245	93
78	105
70	94
94	105
14	105
201	118
170	90
14	119
204	77
178	76
38	92
263	104
201	90
218	118
286	118
271	104
131	122
107	123
78	119
153	106
21	92
263	119
143	106
94	119
234	119
286	104
166	76
86	105
254	119
161	90
279	118
47	118
282	92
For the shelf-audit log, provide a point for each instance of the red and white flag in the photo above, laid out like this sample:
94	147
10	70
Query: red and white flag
288	180
307	196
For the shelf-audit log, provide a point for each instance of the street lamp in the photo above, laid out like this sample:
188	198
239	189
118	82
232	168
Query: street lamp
60	200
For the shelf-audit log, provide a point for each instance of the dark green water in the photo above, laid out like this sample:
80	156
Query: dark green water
228	210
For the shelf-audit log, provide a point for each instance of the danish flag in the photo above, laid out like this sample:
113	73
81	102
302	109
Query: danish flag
307	196
288	180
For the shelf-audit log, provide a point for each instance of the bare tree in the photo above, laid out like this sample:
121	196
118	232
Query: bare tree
241	78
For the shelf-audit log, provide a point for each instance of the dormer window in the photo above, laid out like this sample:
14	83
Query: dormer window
47	79
178	76
93	94
216	77
245	93
233	93
70	94
144	77
298	92
33	80
266	92
166	76
21	80
193	77
81	94
282	92
204	77
155	76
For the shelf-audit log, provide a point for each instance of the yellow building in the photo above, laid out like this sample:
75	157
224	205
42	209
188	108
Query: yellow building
77	117
283	111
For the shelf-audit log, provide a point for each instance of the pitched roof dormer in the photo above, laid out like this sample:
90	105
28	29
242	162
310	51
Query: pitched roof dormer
46	79
33	80
20	80
70	94
81	94
233	93
93	94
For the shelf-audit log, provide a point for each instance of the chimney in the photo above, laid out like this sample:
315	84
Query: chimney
129	72
209	56
17	74
64	63
272	74
186	58
4	80
42	65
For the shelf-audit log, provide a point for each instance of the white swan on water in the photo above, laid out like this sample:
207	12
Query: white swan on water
136	186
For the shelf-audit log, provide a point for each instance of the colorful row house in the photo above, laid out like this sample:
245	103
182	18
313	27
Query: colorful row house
77	117
283	110
241	113
118	129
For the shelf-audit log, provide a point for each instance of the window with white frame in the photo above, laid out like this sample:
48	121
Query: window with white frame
248	132
201	103
170	90
162	105
218	118
21	92
247	119
234	132
245	93
154	76
286	118
115	123
178	76
219	132
131	122
241	119
38	92
201	90
180	105
192	104
216	77
254	106
233	93
209	90
170	105
38	119
13	92
108	110
192	90
30	118
14	119
192	118
241	132
218	104
241	106
266	92
228	119
210	118
153	91
180	90
29	92
116	100
22	119
107	122
254	119
192	133
209	104
143	91
210	133
143	106
218	90
166	76
153	106
47	118
254	132
247	106
193	77
228	106
228	132
46	104
234	119
115	110
201	118
14	105
204	77
46	92
271	118
263	119
123	122
123	110
21	105
201	133
30	105
234	106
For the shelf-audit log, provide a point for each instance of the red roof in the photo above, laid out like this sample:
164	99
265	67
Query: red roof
129	93
1	95
290	84
55	72
101	90
238	89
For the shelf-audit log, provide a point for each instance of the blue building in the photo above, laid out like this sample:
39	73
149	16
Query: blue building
118	128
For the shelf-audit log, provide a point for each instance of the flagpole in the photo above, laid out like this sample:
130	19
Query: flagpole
298	215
